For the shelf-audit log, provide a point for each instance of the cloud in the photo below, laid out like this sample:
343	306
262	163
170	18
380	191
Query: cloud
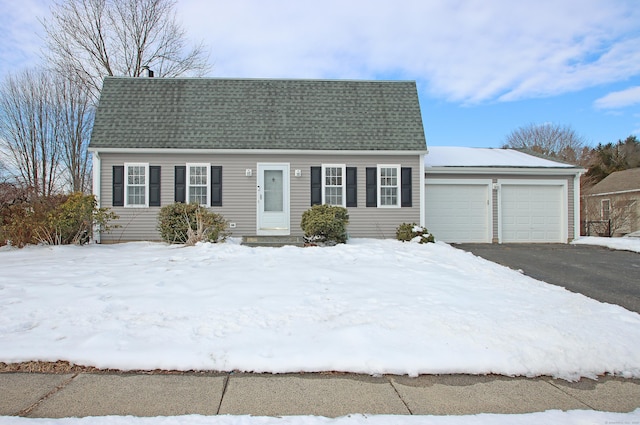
21	39
459	50
619	99
462	51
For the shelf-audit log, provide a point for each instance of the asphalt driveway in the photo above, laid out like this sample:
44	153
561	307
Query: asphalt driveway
606	275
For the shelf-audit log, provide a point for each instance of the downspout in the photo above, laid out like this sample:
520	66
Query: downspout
576	205
97	189
423	211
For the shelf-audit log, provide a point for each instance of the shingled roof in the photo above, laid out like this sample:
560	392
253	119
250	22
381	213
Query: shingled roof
619	181
212	113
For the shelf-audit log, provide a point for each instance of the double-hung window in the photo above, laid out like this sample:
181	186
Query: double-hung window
333	184
136	185
198	183
389	185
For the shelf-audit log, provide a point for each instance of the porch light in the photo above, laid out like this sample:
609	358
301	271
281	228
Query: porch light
248	172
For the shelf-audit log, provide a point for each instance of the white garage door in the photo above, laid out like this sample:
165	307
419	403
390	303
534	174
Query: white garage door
458	212
531	213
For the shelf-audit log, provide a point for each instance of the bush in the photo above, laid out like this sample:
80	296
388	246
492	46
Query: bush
325	224
413	233
53	220
72	222
190	223
22	218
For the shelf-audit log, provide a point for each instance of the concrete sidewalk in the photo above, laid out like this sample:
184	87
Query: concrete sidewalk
95	394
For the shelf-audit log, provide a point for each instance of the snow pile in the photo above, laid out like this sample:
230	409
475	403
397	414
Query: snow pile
370	306
625	244
572	417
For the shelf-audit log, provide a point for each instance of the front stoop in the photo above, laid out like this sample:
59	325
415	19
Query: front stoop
272	241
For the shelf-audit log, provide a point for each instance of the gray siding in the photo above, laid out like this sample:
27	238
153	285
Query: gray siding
495	177
239	192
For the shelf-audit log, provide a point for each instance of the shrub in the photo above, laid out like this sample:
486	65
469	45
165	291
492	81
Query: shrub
325	224
22	218
413	233
53	220
72	222
190	223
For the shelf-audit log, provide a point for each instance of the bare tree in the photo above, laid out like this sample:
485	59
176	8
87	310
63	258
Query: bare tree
30	130
75	119
552	140
91	39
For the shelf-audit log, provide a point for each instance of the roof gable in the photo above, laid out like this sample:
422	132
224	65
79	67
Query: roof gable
619	181
209	113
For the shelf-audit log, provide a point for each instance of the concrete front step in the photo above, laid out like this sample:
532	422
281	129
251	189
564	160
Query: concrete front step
272	241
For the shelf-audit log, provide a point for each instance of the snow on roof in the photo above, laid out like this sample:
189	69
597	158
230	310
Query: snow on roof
449	156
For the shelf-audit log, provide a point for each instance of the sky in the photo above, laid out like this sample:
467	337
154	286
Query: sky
483	68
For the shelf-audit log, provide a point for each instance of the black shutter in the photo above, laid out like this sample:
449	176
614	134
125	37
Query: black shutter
405	190
154	185
180	186
352	187
118	186
316	186
372	187
216	185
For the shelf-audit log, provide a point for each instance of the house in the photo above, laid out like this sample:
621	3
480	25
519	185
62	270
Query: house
500	196
259	152
612	206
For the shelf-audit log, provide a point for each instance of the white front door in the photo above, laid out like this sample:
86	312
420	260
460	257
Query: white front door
273	199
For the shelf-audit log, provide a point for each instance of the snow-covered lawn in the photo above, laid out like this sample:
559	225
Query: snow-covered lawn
626	244
371	306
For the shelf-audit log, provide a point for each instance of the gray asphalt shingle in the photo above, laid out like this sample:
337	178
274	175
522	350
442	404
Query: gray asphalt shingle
212	113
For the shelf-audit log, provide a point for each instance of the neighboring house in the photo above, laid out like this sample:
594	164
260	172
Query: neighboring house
612	207
259	152
500	196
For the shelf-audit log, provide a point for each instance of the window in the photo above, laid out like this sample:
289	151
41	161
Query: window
198	183
605	205
389	185
137	185
333	184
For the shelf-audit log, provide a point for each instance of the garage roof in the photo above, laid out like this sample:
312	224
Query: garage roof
450	156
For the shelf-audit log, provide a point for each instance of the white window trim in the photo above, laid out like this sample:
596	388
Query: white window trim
126	184
399	185
602	201
188	181
344	182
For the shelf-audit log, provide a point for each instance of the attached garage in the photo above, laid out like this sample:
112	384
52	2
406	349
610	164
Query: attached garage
459	211
533	212
499	196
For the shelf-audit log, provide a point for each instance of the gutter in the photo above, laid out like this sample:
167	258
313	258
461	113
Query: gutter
618	192
257	151
516	170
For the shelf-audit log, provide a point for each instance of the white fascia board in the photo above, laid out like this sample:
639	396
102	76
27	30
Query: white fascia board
257	151
618	192
537	171
485	182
